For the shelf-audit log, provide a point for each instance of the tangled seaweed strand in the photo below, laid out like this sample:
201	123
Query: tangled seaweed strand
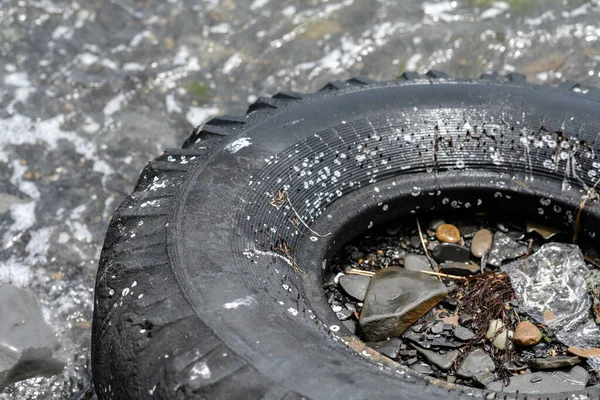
485	297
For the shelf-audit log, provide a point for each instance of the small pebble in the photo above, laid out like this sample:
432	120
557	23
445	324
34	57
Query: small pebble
423	369
482	242
415	241
447	233
495	326
527	334
535	379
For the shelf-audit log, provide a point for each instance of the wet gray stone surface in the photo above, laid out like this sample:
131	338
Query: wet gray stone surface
92	91
414	262
554	362
397	298
443	361
355	285
28	347
388	348
544	382
475	364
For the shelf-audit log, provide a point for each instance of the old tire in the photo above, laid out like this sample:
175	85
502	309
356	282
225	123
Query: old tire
209	286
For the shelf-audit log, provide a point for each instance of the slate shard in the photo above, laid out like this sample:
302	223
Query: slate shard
27	344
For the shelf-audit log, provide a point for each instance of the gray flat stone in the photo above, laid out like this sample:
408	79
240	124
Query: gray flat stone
350	324
475	364
27	343
388	348
544	382
414	262
355	285
344	314
443	361
421	340
462	333
450	252
422	369
504	248
554	362
396	299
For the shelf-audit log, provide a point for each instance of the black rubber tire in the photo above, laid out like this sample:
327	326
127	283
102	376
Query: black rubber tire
196	293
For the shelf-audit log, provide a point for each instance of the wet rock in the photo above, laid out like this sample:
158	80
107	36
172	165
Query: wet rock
350	324
465	319
422	369
592	282
27	343
468	231
443	361
499	335
481	243
554	362
450	252
411	361
544	382
395	299
447	233
503	340
415	241
413	262
438	327
422	340
475	364
435	223
408	353
388	348
495	326
356	255
462	333
450	303
458	268
355	285
515	235
344	314
432	244
485	378
526	334
545	231
504	248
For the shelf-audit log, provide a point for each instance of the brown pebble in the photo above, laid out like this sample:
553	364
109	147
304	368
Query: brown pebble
526	334
482	242
447	233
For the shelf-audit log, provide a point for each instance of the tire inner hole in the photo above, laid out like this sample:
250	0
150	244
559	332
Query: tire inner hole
443	303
